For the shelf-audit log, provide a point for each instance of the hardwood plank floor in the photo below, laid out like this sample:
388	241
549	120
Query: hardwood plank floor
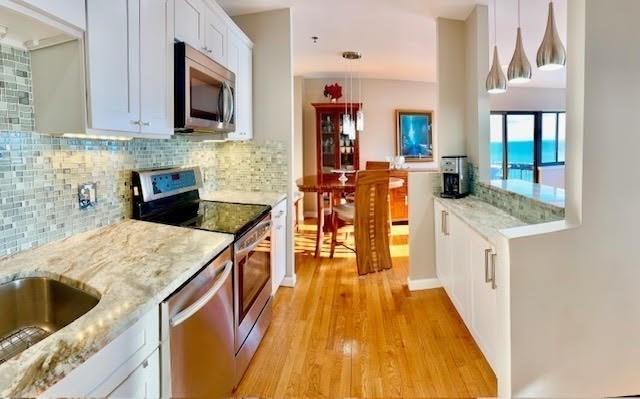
338	335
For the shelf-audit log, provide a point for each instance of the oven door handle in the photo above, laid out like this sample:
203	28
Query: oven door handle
204	299
240	253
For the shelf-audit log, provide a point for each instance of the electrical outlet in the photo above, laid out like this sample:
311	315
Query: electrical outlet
87	195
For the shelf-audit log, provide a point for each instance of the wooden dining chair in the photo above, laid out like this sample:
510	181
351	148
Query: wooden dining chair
369	217
377	165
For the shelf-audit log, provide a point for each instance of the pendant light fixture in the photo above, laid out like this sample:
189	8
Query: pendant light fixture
519	68
349	122
551	54
496	81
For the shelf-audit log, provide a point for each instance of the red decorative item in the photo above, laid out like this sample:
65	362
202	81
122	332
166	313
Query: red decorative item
334	91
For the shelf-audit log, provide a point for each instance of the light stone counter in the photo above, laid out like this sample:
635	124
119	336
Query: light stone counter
132	265
481	216
244	197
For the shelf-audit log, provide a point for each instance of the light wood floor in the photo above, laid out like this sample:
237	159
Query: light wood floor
337	335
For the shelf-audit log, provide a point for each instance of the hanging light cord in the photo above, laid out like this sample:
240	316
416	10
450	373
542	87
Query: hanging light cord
495	23
518	13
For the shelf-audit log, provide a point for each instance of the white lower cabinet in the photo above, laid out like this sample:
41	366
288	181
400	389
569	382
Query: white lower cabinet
484	310
127	367
143	382
465	264
278	244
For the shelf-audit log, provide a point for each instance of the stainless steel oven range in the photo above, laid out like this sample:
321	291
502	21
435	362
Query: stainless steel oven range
171	196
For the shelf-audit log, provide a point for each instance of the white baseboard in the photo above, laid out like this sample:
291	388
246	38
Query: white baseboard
288	281
423	284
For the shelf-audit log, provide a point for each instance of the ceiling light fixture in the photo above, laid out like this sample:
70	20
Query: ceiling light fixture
519	69
496	81
551	54
349	121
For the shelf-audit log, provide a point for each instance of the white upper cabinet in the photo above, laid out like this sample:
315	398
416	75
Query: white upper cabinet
190	22
215	36
202	27
113	58
156	99
128	57
240	62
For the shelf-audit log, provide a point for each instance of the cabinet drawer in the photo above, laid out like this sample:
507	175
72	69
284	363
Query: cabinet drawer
106	370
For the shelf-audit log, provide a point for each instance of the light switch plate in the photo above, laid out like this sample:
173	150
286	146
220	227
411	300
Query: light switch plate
87	195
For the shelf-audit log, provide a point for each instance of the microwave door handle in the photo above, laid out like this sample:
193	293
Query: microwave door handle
221	104
204	299
231	104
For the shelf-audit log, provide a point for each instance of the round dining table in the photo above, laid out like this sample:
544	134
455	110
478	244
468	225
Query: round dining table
331	185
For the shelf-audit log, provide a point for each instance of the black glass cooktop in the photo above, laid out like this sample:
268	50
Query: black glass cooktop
222	217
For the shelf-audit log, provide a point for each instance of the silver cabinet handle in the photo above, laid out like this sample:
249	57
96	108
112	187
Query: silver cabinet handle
204	299
493	272
135	122
443	215
145	364
446	223
205	49
209	51
280	213
145	123
487	254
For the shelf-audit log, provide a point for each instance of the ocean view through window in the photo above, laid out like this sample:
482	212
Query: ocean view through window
522	142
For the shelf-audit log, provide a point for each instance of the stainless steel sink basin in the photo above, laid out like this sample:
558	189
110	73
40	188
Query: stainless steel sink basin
33	308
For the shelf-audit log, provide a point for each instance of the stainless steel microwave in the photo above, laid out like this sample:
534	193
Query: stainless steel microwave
204	93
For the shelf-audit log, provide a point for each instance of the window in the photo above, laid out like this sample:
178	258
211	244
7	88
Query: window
497	146
520	146
553	138
521	142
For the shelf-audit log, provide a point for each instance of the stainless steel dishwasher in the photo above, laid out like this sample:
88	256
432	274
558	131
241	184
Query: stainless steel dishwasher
198	357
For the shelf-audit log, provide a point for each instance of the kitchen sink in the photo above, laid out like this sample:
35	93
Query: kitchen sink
32	308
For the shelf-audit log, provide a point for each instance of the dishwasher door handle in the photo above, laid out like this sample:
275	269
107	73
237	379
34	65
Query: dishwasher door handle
204	299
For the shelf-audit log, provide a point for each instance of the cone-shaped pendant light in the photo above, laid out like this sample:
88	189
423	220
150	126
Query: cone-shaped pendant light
551	54
519	68
496	81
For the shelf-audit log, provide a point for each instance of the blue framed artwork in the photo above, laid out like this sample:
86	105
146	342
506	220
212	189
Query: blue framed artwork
414	139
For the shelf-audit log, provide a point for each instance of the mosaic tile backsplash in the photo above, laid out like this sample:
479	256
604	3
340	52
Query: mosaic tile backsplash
40	174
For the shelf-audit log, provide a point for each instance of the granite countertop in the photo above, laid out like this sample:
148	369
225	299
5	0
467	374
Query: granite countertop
244	197
481	216
132	265
546	194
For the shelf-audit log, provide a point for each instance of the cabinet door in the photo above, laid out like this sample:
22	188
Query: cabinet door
156	56
461	273
484	299
278	244
190	22
245	90
241	63
144	382
443	247
113	57
215	36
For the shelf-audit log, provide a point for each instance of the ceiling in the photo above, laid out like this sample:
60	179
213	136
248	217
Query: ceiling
398	37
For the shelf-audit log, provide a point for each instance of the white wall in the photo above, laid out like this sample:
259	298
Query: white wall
476	121
451	92
273	93
381	99
529	99
574	306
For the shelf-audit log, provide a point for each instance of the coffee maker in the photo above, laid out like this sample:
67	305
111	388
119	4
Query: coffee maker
455	180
